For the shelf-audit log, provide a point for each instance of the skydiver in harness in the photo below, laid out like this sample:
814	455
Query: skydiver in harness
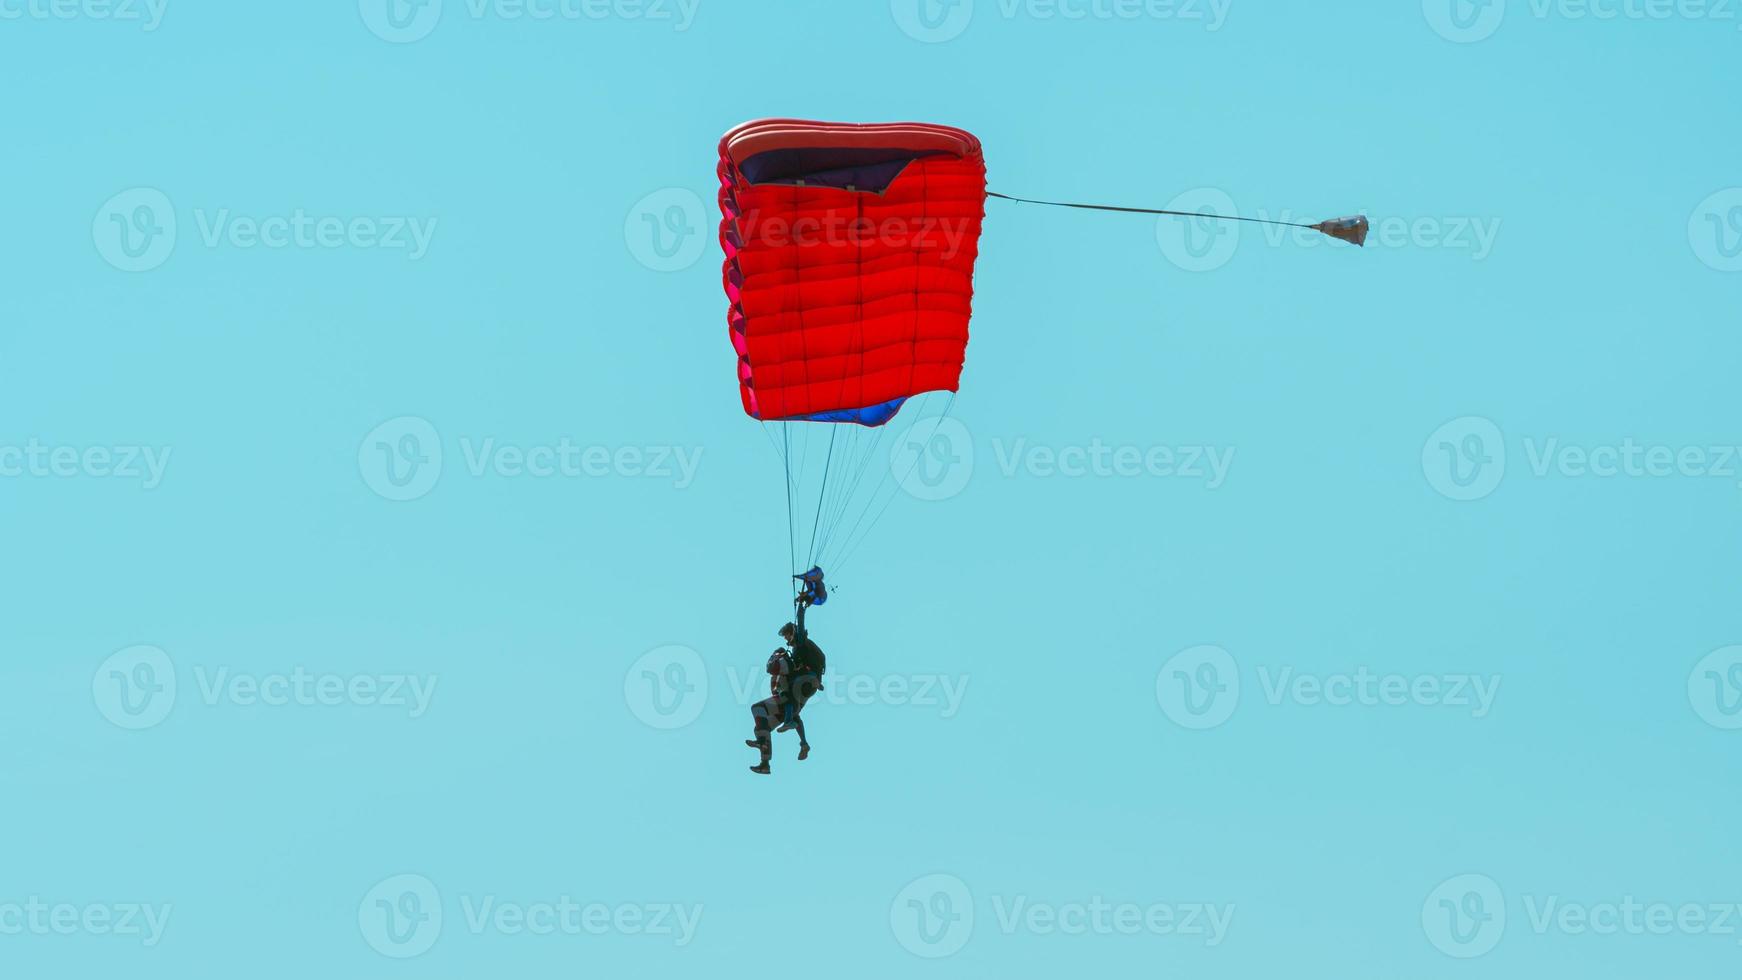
794	677
808	667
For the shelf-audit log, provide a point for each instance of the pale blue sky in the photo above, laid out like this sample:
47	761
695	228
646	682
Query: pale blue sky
352	236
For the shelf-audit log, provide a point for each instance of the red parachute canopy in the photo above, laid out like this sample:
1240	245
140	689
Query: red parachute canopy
850	255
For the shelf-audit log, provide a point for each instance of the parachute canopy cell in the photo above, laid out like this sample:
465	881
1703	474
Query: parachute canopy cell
849	267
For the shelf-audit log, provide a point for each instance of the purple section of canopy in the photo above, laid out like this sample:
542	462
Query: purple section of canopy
864	169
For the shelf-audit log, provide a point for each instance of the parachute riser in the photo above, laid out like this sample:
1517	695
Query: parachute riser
1351	229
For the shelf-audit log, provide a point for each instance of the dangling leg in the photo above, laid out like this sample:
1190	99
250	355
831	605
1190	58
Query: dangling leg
804	687
761	715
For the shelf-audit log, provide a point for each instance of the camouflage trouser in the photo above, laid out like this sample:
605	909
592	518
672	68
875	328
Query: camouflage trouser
765	714
803	687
